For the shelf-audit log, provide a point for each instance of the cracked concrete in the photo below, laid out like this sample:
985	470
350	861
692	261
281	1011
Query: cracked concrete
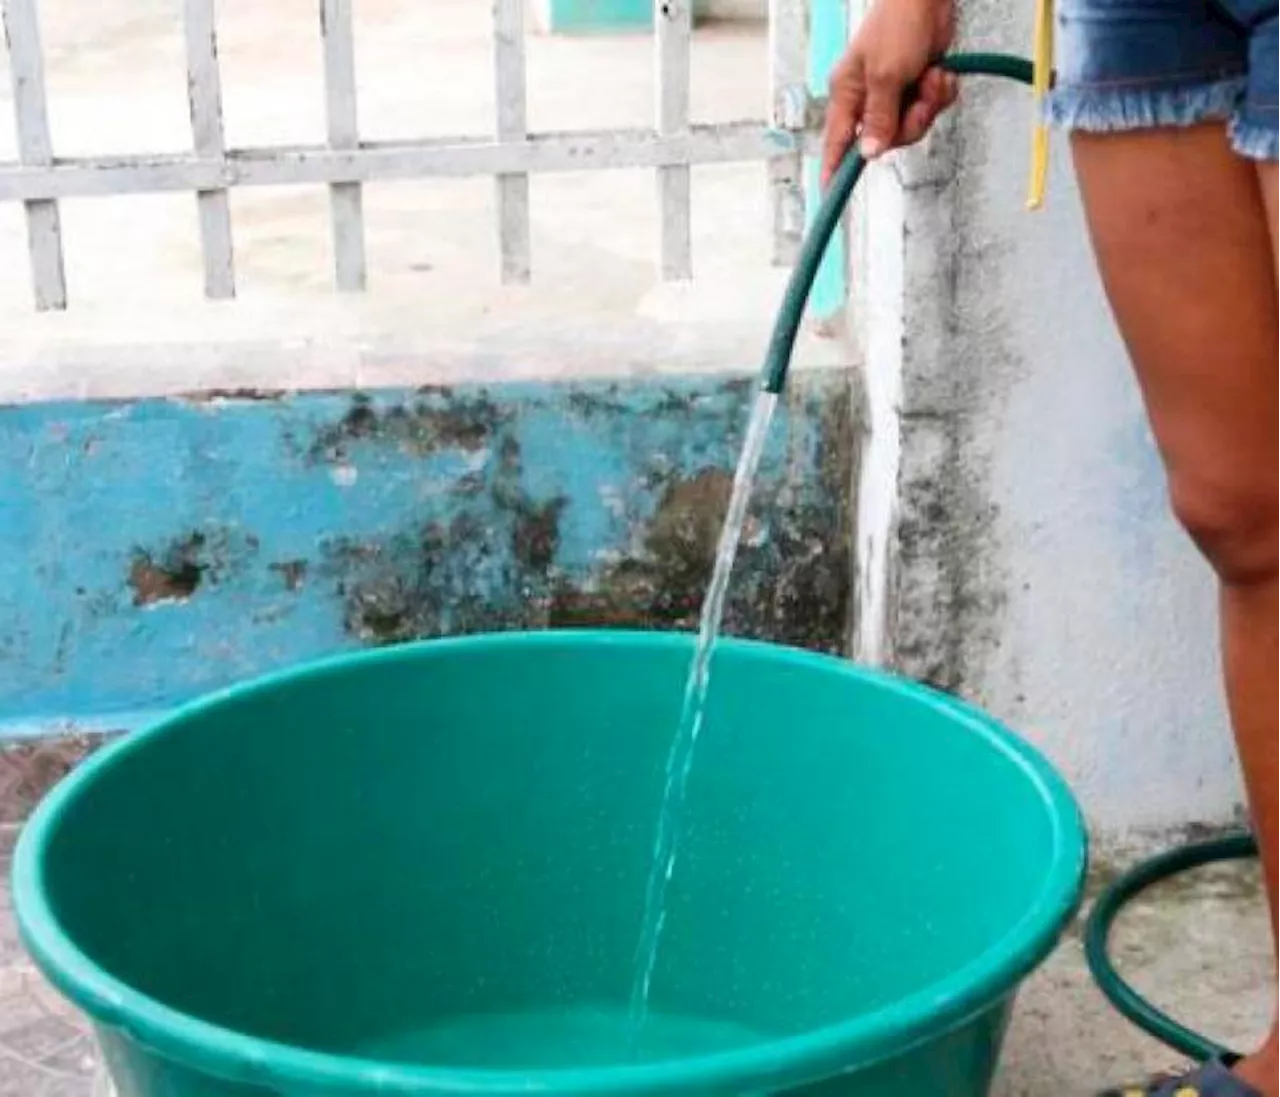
1199	948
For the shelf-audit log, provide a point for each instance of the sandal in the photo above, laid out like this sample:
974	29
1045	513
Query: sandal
1214	1079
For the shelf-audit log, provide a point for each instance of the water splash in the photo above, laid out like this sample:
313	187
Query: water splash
680	758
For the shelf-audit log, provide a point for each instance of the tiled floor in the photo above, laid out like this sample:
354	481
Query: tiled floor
1201	948
45	1050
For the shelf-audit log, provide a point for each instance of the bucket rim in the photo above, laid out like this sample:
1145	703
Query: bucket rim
853	1043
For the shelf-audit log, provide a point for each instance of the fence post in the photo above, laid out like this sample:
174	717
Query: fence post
788	109
670	146
346	200
673	27
204	97
512	125
35	149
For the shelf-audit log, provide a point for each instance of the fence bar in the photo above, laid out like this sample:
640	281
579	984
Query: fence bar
788	103
513	187
447	157
673	26
204	97
44	224
346	200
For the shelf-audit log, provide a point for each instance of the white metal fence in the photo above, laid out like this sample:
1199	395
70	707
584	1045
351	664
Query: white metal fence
40	179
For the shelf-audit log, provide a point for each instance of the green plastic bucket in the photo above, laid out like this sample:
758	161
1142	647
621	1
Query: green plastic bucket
421	871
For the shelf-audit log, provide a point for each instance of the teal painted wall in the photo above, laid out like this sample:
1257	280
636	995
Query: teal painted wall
586	16
152	550
570	16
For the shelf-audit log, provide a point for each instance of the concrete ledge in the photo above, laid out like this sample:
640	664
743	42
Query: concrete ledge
154	549
678	330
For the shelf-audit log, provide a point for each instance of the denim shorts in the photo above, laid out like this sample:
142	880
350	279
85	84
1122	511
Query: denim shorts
1139	64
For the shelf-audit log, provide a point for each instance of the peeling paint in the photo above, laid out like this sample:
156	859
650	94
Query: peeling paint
175	572
174	577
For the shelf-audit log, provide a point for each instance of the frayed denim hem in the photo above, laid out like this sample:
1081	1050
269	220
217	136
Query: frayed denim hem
1254	141
1116	108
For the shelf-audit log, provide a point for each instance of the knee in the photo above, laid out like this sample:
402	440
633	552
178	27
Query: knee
1234	526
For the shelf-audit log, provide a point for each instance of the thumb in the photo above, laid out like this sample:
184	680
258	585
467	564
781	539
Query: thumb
880	117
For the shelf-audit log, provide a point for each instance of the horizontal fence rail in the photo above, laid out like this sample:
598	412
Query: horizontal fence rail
39	179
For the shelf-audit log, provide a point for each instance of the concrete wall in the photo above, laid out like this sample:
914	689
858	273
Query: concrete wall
194	492
1032	564
978	505
155	549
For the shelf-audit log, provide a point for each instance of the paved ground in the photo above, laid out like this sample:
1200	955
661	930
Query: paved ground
1200	948
45	1050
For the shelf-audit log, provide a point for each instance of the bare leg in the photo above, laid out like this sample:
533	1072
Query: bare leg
1185	243
1267	176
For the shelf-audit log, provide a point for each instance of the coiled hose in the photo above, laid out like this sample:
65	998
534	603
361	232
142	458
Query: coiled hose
1113	899
1102	917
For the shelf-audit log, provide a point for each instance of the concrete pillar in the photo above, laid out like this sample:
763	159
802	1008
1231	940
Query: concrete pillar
1028	560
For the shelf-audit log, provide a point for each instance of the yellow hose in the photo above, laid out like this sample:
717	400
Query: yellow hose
1041	78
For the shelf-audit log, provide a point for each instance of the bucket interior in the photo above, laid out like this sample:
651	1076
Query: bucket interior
439	854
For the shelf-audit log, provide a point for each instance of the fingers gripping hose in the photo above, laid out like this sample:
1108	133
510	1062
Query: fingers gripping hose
774	377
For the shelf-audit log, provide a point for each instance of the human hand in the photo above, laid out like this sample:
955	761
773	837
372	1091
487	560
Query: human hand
891	53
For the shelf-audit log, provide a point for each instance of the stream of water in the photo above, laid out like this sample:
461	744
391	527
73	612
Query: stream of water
680	758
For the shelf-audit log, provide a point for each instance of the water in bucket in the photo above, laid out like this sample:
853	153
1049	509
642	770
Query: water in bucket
558	1039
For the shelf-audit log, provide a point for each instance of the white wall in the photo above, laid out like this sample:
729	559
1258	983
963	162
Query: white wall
731	9
1111	619
1034	564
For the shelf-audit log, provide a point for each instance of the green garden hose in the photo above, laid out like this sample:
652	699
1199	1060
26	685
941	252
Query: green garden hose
1103	916
774	377
791	313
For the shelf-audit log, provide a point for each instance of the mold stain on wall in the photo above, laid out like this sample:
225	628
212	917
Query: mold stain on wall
174	576
947	593
176	571
436	420
495	564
